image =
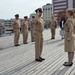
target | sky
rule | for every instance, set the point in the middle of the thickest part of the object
(8, 8)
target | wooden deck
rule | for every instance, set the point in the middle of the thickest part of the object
(21, 60)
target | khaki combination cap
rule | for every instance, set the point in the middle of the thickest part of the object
(39, 9)
(17, 15)
(26, 17)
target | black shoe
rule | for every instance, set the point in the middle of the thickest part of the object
(65, 64)
(38, 60)
(52, 38)
(17, 45)
(62, 38)
(42, 58)
(32, 41)
(25, 43)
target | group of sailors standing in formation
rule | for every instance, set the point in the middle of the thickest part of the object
(37, 27)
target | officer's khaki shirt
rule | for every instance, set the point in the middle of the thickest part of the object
(53, 22)
(25, 25)
(16, 24)
(40, 24)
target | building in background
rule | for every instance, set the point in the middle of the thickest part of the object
(8, 26)
(59, 7)
(2, 28)
(47, 12)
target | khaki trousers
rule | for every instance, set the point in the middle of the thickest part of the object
(53, 33)
(17, 36)
(25, 36)
(38, 44)
(32, 35)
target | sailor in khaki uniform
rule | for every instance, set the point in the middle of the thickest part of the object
(39, 27)
(16, 28)
(69, 37)
(32, 29)
(25, 30)
(53, 24)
